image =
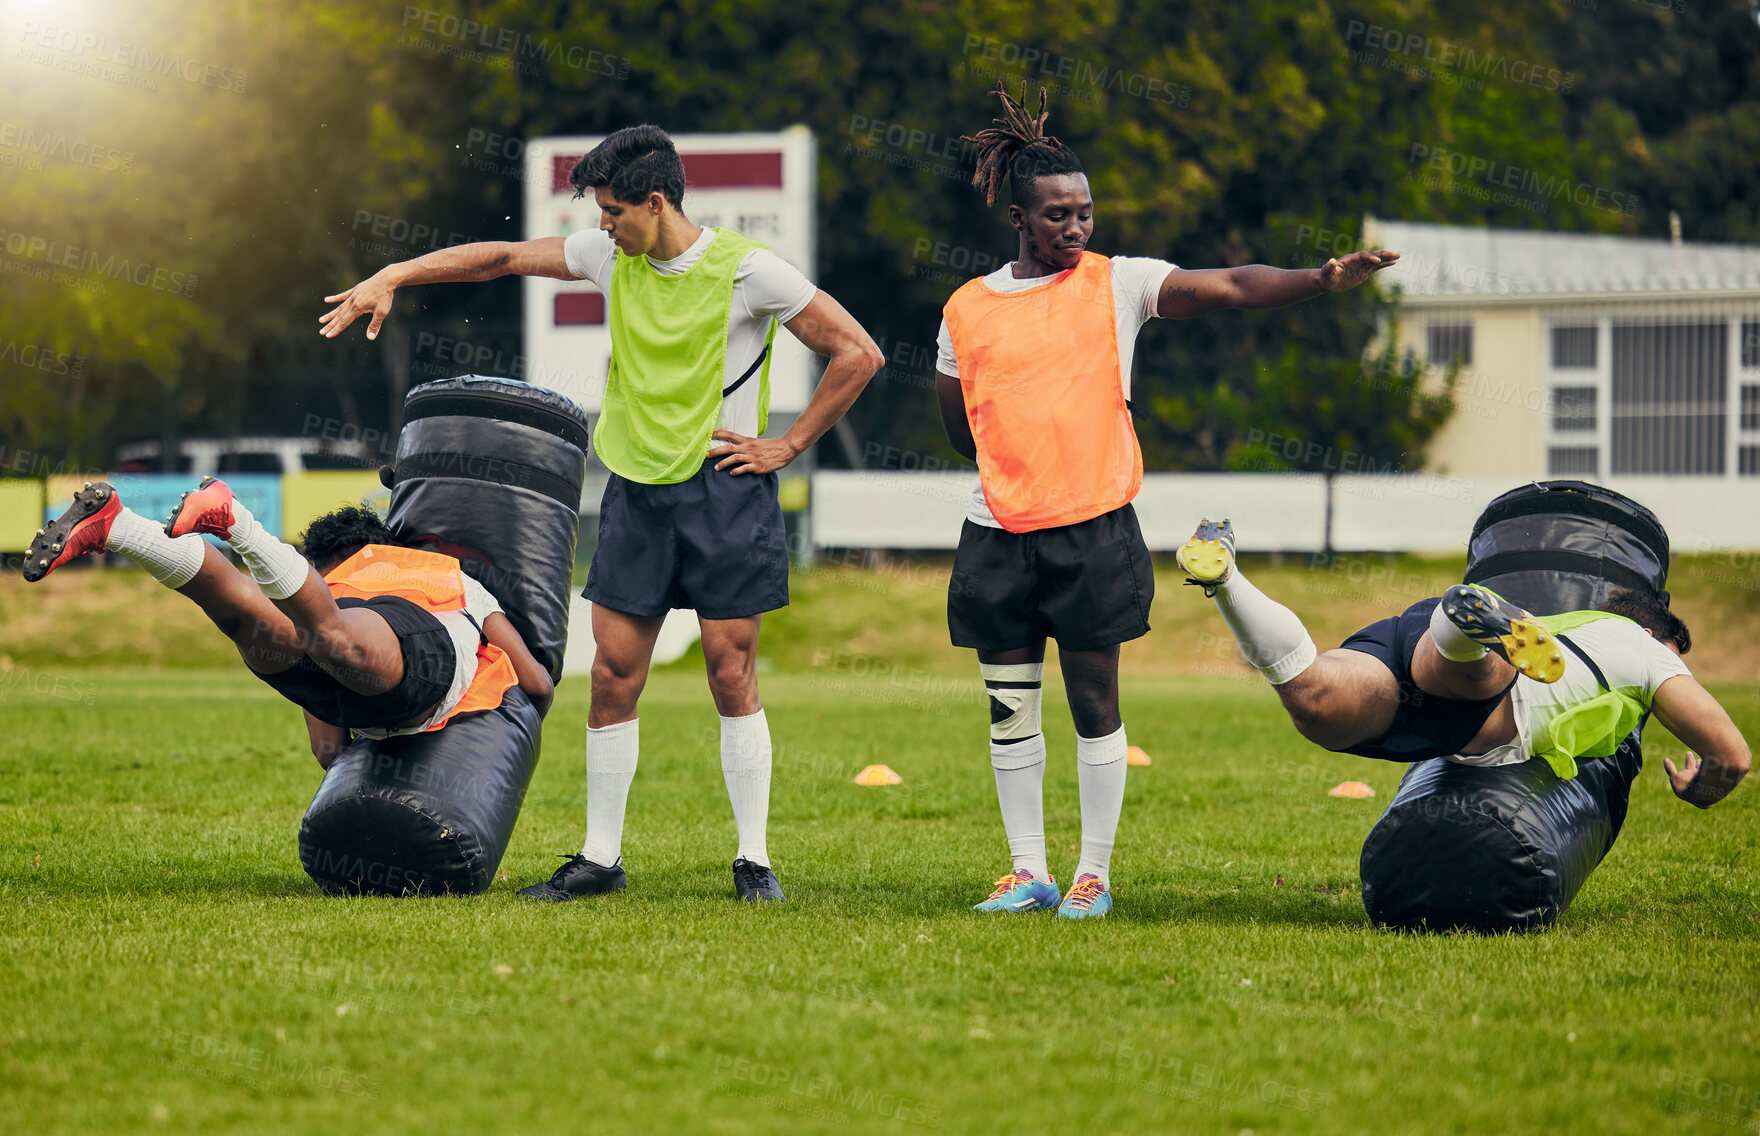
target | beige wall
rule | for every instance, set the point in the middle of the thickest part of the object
(1500, 419)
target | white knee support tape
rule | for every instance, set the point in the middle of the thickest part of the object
(1015, 690)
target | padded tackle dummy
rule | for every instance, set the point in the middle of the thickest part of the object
(1507, 848)
(490, 471)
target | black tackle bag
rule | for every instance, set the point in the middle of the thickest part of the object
(489, 471)
(1507, 848)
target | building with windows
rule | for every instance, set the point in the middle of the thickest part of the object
(1584, 355)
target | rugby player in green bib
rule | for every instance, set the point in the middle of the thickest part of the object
(1441, 678)
(690, 517)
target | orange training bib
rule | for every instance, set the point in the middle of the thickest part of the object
(434, 583)
(1045, 398)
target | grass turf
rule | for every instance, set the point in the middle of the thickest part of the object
(169, 967)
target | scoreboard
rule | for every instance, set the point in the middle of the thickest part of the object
(760, 184)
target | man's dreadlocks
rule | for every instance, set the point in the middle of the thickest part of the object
(1016, 146)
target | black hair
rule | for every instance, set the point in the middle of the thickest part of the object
(1016, 146)
(634, 162)
(339, 535)
(1649, 612)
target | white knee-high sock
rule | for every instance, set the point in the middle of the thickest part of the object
(611, 766)
(745, 766)
(1100, 773)
(172, 562)
(1271, 636)
(1451, 642)
(276, 566)
(1020, 780)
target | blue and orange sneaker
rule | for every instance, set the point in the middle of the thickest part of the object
(1089, 899)
(1020, 891)
(207, 509)
(80, 531)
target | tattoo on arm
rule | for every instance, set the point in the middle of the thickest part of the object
(1183, 293)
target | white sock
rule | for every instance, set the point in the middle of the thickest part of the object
(1020, 777)
(1100, 771)
(745, 765)
(611, 766)
(1451, 642)
(1271, 636)
(172, 562)
(276, 566)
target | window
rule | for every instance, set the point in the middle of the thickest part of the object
(1751, 343)
(1669, 411)
(1751, 407)
(1748, 461)
(1450, 341)
(1573, 408)
(1574, 347)
(1572, 461)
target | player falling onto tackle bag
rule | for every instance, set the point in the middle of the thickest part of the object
(685, 523)
(368, 637)
(1441, 679)
(1034, 385)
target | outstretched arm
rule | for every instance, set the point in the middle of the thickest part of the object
(484, 260)
(827, 330)
(1185, 294)
(533, 678)
(1693, 716)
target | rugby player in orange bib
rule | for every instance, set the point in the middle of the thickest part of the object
(1034, 385)
(368, 637)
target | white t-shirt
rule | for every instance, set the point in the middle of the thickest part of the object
(1627, 654)
(765, 287)
(1136, 293)
(479, 604)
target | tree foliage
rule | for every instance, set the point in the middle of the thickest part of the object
(1214, 135)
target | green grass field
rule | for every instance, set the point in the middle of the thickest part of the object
(169, 967)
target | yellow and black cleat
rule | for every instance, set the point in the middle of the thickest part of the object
(1208, 557)
(1498, 625)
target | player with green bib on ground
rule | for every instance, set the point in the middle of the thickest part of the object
(1442, 679)
(685, 522)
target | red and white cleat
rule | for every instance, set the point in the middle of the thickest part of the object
(207, 509)
(80, 531)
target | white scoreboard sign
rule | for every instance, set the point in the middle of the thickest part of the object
(761, 185)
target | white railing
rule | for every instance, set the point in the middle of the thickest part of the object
(1424, 513)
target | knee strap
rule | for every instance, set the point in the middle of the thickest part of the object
(1015, 690)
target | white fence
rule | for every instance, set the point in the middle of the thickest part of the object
(1272, 512)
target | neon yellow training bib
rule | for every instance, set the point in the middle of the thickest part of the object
(1594, 727)
(669, 363)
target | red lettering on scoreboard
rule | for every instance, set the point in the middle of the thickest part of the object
(758, 169)
(576, 308)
